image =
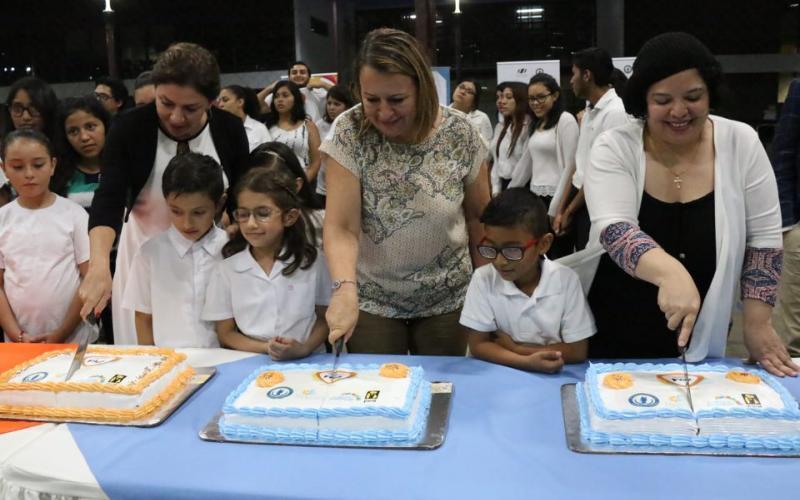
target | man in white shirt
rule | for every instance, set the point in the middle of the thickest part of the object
(314, 90)
(591, 80)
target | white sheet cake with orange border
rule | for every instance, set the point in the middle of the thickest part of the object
(111, 385)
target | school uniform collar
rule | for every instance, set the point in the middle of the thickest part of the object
(245, 263)
(604, 101)
(549, 283)
(183, 245)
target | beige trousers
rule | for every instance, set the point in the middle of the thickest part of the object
(786, 317)
(435, 335)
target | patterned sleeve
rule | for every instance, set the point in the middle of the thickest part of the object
(760, 274)
(343, 141)
(625, 244)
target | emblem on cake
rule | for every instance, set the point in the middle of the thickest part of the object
(680, 379)
(619, 380)
(99, 360)
(332, 376)
(270, 378)
(393, 370)
(743, 377)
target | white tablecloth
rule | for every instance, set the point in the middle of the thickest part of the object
(45, 462)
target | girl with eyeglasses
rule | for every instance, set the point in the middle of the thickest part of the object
(508, 144)
(270, 293)
(550, 150)
(467, 98)
(32, 105)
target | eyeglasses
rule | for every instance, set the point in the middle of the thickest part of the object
(102, 97)
(510, 253)
(466, 89)
(539, 99)
(18, 110)
(261, 214)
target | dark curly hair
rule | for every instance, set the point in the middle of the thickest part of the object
(665, 55)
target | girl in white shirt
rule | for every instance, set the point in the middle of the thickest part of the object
(288, 124)
(338, 101)
(270, 294)
(508, 145)
(467, 98)
(243, 103)
(44, 247)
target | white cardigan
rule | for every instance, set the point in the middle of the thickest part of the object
(566, 131)
(746, 213)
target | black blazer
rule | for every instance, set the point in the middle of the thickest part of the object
(130, 152)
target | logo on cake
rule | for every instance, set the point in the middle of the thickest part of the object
(332, 376)
(99, 360)
(35, 377)
(643, 400)
(680, 379)
(280, 392)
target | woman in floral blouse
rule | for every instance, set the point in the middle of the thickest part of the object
(407, 182)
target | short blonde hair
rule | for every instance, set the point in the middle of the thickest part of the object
(393, 51)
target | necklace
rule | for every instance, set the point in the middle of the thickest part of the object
(677, 177)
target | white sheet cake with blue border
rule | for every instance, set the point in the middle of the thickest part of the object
(307, 403)
(646, 405)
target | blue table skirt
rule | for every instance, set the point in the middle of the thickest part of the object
(505, 440)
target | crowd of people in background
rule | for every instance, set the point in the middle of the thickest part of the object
(281, 219)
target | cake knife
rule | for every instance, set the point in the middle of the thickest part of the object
(337, 349)
(91, 320)
(689, 389)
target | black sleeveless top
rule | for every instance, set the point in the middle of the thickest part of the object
(629, 321)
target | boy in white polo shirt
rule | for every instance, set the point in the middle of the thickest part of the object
(170, 274)
(524, 311)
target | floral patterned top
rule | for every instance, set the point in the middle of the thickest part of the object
(414, 258)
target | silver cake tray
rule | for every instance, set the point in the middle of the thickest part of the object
(572, 428)
(433, 437)
(200, 377)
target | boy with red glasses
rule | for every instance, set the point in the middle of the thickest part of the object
(523, 310)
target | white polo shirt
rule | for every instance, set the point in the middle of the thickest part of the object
(266, 306)
(257, 133)
(168, 280)
(607, 113)
(556, 312)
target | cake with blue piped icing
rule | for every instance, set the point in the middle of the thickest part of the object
(311, 404)
(646, 405)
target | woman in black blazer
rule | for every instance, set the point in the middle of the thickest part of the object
(129, 202)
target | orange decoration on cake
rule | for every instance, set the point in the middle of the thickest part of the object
(393, 370)
(270, 378)
(743, 377)
(619, 380)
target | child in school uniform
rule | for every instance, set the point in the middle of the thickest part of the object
(170, 273)
(44, 248)
(270, 293)
(523, 310)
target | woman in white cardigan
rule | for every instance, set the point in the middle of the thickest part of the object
(508, 143)
(550, 151)
(685, 206)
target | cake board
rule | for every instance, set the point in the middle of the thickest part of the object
(200, 377)
(572, 429)
(433, 437)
